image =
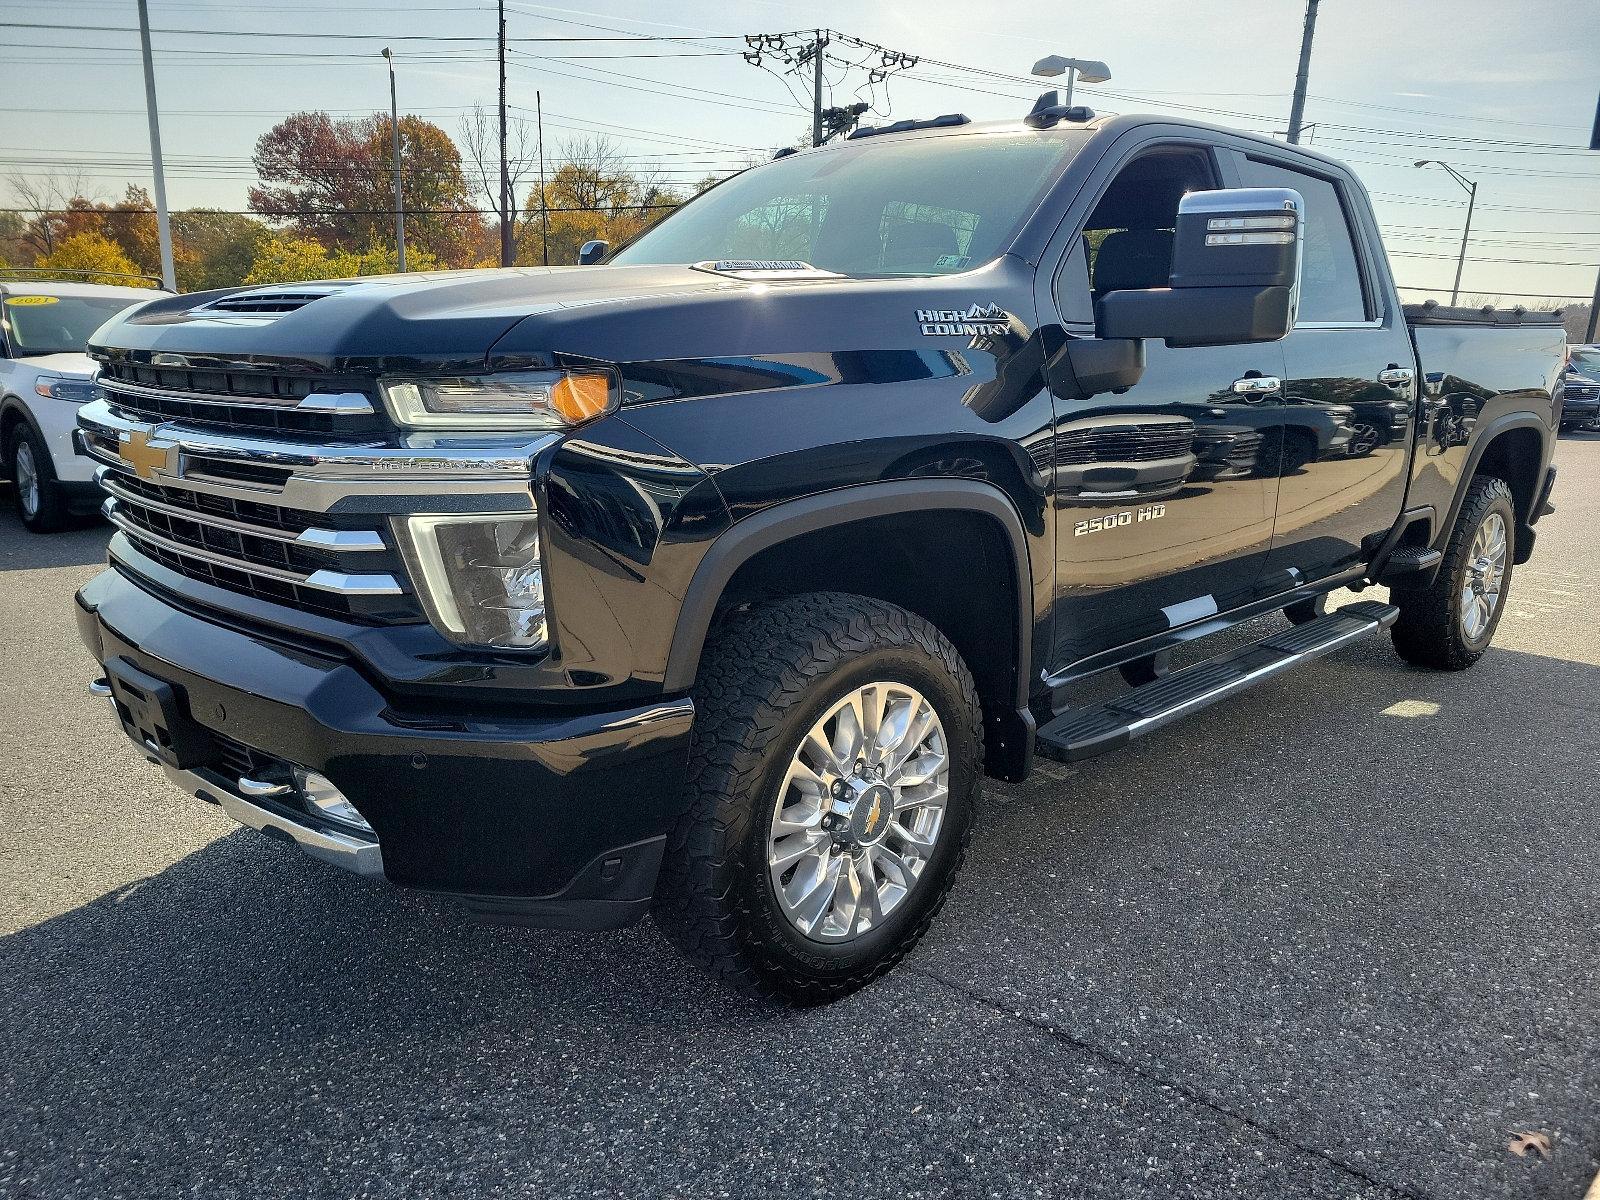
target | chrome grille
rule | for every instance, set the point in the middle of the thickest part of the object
(310, 561)
(255, 400)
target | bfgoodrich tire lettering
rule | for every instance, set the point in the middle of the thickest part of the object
(768, 676)
(1434, 628)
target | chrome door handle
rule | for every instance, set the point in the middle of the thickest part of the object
(1396, 376)
(1256, 385)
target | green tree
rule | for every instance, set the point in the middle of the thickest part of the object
(214, 249)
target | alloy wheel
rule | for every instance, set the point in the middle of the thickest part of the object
(1485, 580)
(859, 812)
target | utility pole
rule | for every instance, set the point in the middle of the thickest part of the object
(544, 209)
(169, 276)
(816, 88)
(1298, 109)
(1594, 313)
(399, 199)
(506, 249)
(1466, 230)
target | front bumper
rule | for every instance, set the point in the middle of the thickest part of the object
(549, 817)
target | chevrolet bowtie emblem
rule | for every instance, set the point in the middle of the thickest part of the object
(144, 454)
(873, 814)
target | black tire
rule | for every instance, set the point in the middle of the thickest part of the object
(49, 513)
(768, 675)
(1429, 632)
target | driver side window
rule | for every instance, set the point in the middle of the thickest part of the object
(1127, 240)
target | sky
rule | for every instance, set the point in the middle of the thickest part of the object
(1505, 92)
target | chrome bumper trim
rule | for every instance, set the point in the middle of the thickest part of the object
(353, 854)
(482, 472)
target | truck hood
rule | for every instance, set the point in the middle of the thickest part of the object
(70, 364)
(388, 322)
(464, 320)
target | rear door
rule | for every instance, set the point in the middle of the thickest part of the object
(1343, 424)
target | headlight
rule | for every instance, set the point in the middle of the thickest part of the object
(480, 578)
(75, 391)
(513, 400)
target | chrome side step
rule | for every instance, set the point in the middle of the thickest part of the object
(1085, 732)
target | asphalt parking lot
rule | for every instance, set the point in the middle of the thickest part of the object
(1335, 938)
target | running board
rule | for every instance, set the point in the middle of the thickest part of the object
(1085, 732)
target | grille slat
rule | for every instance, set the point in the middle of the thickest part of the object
(250, 547)
(335, 406)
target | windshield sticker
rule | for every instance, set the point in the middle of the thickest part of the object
(30, 301)
(978, 321)
(951, 262)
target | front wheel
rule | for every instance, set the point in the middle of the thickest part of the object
(39, 499)
(833, 780)
(1448, 624)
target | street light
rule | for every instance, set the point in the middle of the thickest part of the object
(399, 202)
(1090, 70)
(1466, 230)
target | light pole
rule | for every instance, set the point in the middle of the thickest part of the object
(1089, 69)
(1466, 230)
(399, 200)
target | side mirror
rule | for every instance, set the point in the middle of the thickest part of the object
(592, 252)
(1235, 274)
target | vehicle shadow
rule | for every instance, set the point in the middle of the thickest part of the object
(82, 543)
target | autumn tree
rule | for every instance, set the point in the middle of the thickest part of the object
(93, 259)
(332, 180)
(288, 259)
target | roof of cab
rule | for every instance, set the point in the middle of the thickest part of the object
(1113, 123)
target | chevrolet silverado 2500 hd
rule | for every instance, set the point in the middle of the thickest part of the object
(712, 578)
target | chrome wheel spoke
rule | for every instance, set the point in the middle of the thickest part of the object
(817, 893)
(845, 847)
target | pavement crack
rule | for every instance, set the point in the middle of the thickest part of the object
(1186, 1091)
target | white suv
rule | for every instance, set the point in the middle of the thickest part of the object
(44, 377)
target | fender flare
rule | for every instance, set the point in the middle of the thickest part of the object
(825, 510)
(1504, 423)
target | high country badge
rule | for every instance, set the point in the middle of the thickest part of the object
(978, 321)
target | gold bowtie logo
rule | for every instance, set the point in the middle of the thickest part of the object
(144, 454)
(873, 814)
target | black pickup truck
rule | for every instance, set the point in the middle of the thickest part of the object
(710, 579)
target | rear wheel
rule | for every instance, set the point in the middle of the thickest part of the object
(38, 497)
(833, 781)
(1448, 624)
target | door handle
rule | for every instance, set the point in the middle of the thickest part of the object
(1394, 376)
(1257, 385)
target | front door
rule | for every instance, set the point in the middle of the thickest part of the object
(1164, 494)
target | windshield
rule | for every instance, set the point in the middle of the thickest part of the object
(919, 206)
(56, 324)
(1586, 362)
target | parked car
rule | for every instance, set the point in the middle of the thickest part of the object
(1580, 389)
(45, 376)
(711, 579)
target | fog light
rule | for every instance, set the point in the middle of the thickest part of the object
(322, 799)
(480, 578)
